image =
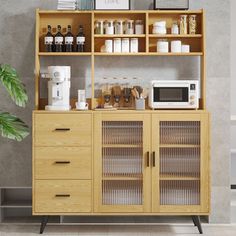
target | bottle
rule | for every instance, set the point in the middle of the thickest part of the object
(48, 40)
(69, 40)
(59, 38)
(80, 40)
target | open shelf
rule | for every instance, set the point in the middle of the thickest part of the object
(17, 204)
(175, 35)
(65, 54)
(120, 36)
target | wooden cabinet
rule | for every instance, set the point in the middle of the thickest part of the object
(62, 163)
(156, 163)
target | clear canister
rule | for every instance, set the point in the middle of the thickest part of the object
(125, 45)
(183, 24)
(134, 45)
(109, 27)
(192, 24)
(139, 27)
(117, 45)
(175, 28)
(162, 46)
(119, 27)
(129, 27)
(98, 27)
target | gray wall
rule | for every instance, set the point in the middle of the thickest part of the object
(17, 48)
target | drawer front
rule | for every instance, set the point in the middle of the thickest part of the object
(63, 162)
(62, 129)
(62, 196)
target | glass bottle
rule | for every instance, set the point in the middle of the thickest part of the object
(192, 24)
(59, 38)
(69, 40)
(48, 40)
(80, 40)
(183, 24)
(106, 91)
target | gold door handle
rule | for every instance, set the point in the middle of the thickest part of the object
(148, 161)
(62, 195)
(62, 129)
(62, 162)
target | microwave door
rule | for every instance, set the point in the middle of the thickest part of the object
(171, 95)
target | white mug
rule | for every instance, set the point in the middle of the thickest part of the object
(82, 105)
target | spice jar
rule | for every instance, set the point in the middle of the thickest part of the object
(175, 28)
(192, 24)
(109, 27)
(99, 27)
(119, 27)
(139, 27)
(134, 45)
(162, 46)
(183, 24)
(129, 27)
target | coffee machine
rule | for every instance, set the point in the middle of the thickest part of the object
(59, 88)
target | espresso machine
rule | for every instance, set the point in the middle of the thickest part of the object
(59, 88)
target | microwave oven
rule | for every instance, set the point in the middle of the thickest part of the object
(174, 94)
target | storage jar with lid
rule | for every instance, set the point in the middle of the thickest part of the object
(159, 27)
(129, 27)
(117, 45)
(119, 27)
(162, 46)
(176, 46)
(125, 45)
(134, 45)
(109, 28)
(99, 27)
(139, 27)
(108, 46)
(175, 28)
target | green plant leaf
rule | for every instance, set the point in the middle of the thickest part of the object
(12, 127)
(13, 85)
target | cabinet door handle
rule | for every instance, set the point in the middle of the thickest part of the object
(148, 164)
(153, 159)
(62, 195)
(62, 129)
(62, 162)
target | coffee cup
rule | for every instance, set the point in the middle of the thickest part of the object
(81, 105)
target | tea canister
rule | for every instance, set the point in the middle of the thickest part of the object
(163, 46)
(159, 27)
(129, 27)
(109, 28)
(134, 45)
(176, 46)
(108, 46)
(119, 27)
(125, 45)
(117, 45)
(175, 28)
(139, 27)
(185, 48)
(99, 29)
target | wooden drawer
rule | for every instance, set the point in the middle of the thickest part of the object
(62, 196)
(62, 129)
(62, 162)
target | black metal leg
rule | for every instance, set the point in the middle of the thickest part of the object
(43, 223)
(197, 222)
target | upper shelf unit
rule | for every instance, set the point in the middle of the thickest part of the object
(147, 41)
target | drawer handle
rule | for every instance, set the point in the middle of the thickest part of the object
(153, 159)
(62, 129)
(62, 195)
(62, 162)
(148, 159)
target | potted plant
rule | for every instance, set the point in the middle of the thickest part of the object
(11, 126)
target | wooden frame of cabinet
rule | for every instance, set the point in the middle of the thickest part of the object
(50, 146)
(94, 42)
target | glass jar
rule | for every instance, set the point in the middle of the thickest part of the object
(183, 24)
(117, 45)
(162, 46)
(129, 27)
(109, 27)
(192, 24)
(139, 27)
(119, 27)
(98, 27)
(125, 45)
(175, 28)
(134, 45)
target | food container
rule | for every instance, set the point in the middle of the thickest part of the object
(129, 27)
(139, 27)
(119, 27)
(162, 46)
(125, 45)
(159, 27)
(109, 28)
(108, 46)
(140, 104)
(175, 28)
(117, 45)
(134, 45)
(192, 24)
(183, 24)
(176, 46)
(185, 48)
(99, 29)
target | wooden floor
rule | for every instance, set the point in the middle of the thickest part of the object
(162, 230)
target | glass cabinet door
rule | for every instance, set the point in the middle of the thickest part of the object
(120, 163)
(180, 176)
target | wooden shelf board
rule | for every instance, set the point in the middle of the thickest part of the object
(175, 35)
(179, 177)
(120, 36)
(122, 145)
(175, 12)
(174, 54)
(120, 54)
(122, 177)
(16, 204)
(64, 54)
(63, 12)
(179, 146)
